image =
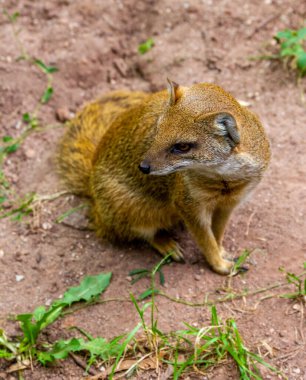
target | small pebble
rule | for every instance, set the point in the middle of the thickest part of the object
(129, 278)
(197, 277)
(30, 153)
(48, 302)
(1, 253)
(296, 370)
(47, 226)
(63, 114)
(19, 277)
(296, 307)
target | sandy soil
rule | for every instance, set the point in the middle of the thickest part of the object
(94, 45)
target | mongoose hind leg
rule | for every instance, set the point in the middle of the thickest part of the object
(166, 245)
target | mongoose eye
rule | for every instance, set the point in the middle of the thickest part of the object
(181, 148)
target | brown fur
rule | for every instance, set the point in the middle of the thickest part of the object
(107, 141)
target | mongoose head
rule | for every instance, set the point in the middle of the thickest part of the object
(204, 128)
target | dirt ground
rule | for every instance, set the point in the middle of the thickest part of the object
(94, 45)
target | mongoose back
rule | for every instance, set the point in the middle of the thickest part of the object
(150, 161)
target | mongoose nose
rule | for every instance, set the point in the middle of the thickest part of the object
(144, 167)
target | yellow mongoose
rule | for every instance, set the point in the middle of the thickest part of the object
(149, 161)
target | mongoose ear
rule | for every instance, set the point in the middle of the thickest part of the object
(174, 92)
(227, 127)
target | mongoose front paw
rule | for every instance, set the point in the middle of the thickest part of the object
(166, 245)
(223, 266)
(233, 270)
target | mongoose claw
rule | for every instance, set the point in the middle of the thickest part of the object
(177, 255)
(167, 247)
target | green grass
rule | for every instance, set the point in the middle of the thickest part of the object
(291, 50)
(299, 284)
(30, 119)
(146, 46)
(193, 349)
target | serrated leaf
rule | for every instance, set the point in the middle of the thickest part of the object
(60, 350)
(89, 288)
(95, 347)
(47, 95)
(101, 347)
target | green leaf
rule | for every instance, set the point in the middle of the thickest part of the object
(147, 293)
(284, 34)
(29, 329)
(214, 316)
(7, 138)
(8, 345)
(12, 148)
(60, 218)
(138, 271)
(46, 69)
(161, 277)
(49, 317)
(26, 117)
(101, 347)
(292, 50)
(146, 46)
(89, 288)
(47, 95)
(43, 319)
(301, 62)
(13, 17)
(96, 347)
(39, 313)
(60, 350)
(123, 348)
(3, 199)
(4, 354)
(301, 33)
(241, 260)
